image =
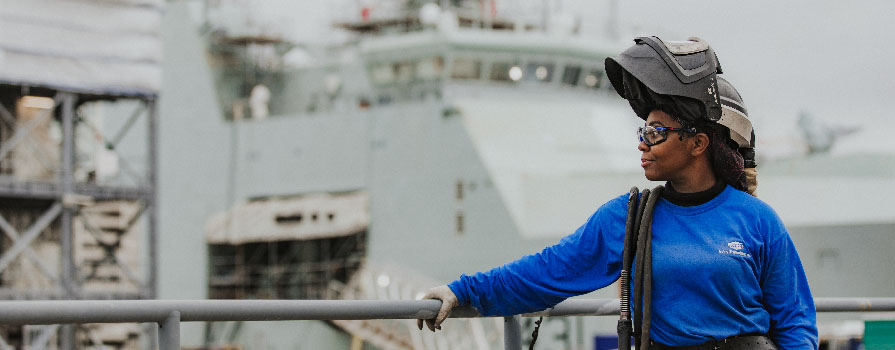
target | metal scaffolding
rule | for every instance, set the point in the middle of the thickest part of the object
(66, 233)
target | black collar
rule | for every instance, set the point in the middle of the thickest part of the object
(692, 199)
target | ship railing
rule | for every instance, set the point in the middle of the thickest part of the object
(168, 314)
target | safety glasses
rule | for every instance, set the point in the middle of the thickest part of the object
(654, 135)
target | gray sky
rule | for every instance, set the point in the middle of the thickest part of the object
(833, 59)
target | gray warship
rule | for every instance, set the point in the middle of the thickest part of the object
(471, 139)
(435, 139)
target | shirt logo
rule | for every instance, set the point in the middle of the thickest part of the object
(735, 249)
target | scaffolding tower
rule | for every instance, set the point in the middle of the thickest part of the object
(67, 235)
(79, 84)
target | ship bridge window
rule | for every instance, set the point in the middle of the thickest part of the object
(542, 72)
(466, 68)
(503, 71)
(430, 68)
(570, 75)
(403, 72)
(382, 73)
(593, 79)
(392, 72)
(289, 219)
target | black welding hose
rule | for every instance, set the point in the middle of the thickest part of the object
(636, 298)
(625, 327)
(643, 286)
(628, 253)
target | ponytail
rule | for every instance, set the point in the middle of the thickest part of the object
(751, 180)
(749, 170)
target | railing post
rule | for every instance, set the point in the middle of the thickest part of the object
(512, 332)
(67, 336)
(169, 332)
(68, 274)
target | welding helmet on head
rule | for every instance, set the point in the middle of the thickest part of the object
(680, 78)
(734, 115)
(652, 71)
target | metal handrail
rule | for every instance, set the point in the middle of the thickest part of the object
(169, 313)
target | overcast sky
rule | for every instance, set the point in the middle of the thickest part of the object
(832, 59)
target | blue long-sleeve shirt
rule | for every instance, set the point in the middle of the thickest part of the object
(722, 268)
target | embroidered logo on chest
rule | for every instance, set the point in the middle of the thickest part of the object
(735, 249)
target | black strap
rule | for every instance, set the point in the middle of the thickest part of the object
(534, 333)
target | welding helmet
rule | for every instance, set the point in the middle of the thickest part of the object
(653, 70)
(734, 115)
(680, 78)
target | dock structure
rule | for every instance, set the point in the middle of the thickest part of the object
(79, 83)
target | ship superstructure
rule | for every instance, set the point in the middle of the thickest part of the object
(431, 139)
(437, 122)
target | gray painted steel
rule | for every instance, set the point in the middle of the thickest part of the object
(13, 235)
(169, 314)
(68, 273)
(30, 235)
(119, 311)
(150, 289)
(169, 332)
(49, 190)
(512, 333)
(58, 196)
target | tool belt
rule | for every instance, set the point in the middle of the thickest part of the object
(743, 342)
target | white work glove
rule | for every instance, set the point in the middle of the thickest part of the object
(448, 302)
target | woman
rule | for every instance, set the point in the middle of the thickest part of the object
(724, 268)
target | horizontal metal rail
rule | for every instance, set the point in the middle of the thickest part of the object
(47, 190)
(169, 313)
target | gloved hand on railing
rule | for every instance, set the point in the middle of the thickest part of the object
(448, 302)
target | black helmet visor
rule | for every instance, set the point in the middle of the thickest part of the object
(653, 73)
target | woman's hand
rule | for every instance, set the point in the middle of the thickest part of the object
(448, 302)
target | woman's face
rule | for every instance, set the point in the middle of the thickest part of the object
(670, 159)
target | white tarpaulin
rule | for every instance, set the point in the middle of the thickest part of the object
(286, 219)
(106, 47)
